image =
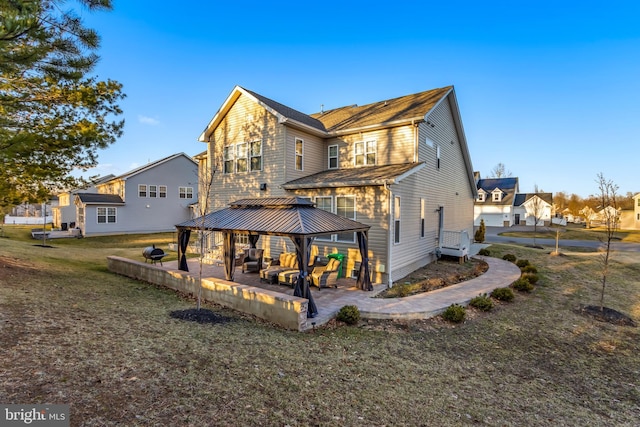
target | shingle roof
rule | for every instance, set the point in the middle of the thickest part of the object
(100, 199)
(408, 107)
(521, 198)
(354, 177)
(508, 186)
(292, 216)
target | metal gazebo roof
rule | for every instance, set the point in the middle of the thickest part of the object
(277, 216)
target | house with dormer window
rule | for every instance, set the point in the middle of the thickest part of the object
(495, 202)
(400, 165)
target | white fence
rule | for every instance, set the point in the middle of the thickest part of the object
(28, 220)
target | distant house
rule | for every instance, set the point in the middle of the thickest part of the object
(64, 214)
(152, 198)
(495, 202)
(400, 165)
(529, 206)
(630, 218)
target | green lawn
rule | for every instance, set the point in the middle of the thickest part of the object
(577, 233)
(73, 333)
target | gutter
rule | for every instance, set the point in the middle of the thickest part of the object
(389, 234)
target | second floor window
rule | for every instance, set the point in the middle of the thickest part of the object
(153, 191)
(481, 197)
(366, 152)
(241, 157)
(299, 154)
(229, 159)
(333, 157)
(186, 192)
(256, 155)
(142, 190)
(163, 191)
(396, 220)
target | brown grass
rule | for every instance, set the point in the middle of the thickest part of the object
(73, 333)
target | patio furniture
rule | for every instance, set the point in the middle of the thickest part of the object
(252, 260)
(286, 261)
(327, 276)
(288, 277)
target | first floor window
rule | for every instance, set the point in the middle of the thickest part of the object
(326, 204)
(333, 157)
(186, 192)
(81, 215)
(299, 154)
(142, 190)
(346, 207)
(396, 219)
(106, 215)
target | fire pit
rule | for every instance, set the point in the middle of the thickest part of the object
(154, 254)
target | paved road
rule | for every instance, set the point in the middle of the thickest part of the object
(491, 236)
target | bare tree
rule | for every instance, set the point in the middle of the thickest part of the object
(610, 216)
(536, 210)
(206, 173)
(500, 171)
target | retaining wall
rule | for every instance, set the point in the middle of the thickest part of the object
(287, 311)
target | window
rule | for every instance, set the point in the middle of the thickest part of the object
(186, 192)
(638, 217)
(256, 155)
(142, 190)
(333, 157)
(163, 191)
(639, 201)
(423, 205)
(80, 215)
(346, 207)
(299, 154)
(326, 204)
(396, 220)
(106, 215)
(241, 157)
(437, 157)
(228, 155)
(497, 196)
(365, 153)
(481, 197)
(153, 191)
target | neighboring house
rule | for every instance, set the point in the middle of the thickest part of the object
(630, 218)
(64, 214)
(529, 206)
(401, 166)
(152, 198)
(494, 203)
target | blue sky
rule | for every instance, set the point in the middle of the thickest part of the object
(551, 91)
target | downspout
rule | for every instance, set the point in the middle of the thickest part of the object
(390, 234)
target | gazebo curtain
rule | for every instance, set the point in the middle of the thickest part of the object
(364, 277)
(183, 242)
(253, 240)
(303, 254)
(229, 244)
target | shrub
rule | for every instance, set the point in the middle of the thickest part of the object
(349, 314)
(530, 277)
(509, 257)
(529, 269)
(482, 302)
(484, 252)
(454, 313)
(522, 285)
(502, 294)
(522, 263)
(479, 234)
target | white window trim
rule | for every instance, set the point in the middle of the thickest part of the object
(252, 156)
(481, 196)
(106, 215)
(365, 153)
(296, 154)
(156, 190)
(397, 220)
(231, 148)
(438, 157)
(332, 209)
(242, 156)
(423, 218)
(337, 156)
(146, 191)
(355, 216)
(496, 196)
(187, 190)
(160, 187)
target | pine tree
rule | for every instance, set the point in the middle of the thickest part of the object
(54, 115)
(479, 234)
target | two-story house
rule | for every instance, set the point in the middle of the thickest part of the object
(64, 214)
(494, 203)
(149, 199)
(401, 166)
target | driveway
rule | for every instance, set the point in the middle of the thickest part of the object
(492, 236)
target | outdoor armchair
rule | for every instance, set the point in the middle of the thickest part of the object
(252, 260)
(326, 276)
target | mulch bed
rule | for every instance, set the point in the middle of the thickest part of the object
(606, 314)
(199, 316)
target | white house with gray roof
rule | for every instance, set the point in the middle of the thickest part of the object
(149, 199)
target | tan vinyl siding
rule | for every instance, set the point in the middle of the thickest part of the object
(247, 121)
(312, 155)
(447, 186)
(401, 151)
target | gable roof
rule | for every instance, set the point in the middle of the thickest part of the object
(522, 198)
(508, 186)
(148, 166)
(100, 199)
(355, 177)
(387, 112)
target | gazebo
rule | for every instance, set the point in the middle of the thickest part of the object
(293, 217)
